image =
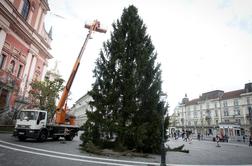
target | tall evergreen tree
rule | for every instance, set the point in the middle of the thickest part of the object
(126, 94)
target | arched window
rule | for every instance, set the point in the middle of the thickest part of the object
(25, 9)
(19, 71)
(12, 66)
(2, 60)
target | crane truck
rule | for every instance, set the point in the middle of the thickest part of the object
(34, 123)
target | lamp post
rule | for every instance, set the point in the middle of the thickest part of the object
(163, 151)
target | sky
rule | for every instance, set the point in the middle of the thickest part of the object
(202, 45)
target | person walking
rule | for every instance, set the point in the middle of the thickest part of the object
(183, 134)
(190, 138)
(201, 136)
(250, 140)
(218, 140)
(198, 136)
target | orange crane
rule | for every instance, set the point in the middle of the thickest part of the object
(60, 111)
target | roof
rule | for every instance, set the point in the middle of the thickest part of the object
(215, 95)
(212, 95)
(232, 94)
(193, 101)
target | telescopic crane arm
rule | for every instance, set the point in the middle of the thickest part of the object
(60, 112)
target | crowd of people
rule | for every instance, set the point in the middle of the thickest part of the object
(186, 135)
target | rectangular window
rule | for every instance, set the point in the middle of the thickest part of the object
(226, 121)
(225, 103)
(189, 114)
(216, 112)
(215, 105)
(216, 122)
(238, 121)
(195, 123)
(226, 112)
(236, 102)
(41, 116)
(19, 71)
(237, 111)
(250, 111)
(248, 100)
(207, 105)
(2, 60)
(25, 9)
(195, 114)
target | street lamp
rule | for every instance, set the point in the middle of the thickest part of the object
(163, 97)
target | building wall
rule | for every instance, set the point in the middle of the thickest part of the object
(24, 42)
(208, 114)
(79, 109)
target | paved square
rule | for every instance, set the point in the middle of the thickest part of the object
(206, 152)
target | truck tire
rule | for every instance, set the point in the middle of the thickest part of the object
(69, 137)
(56, 137)
(21, 138)
(42, 136)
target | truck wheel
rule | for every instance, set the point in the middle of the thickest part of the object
(42, 136)
(69, 137)
(56, 137)
(21, 138)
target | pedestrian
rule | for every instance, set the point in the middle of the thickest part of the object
(186, 136)
(190, 139)
(218, 140)
(226, 138)
(243, 138)
(198, 136)
(175, 136)
(250, 140)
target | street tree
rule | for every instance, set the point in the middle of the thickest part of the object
(126, 110)
(43, 94)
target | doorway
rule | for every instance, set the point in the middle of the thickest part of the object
(3, 99)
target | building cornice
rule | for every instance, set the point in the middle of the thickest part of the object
(21, 27)
(45, 4)
(246, 94)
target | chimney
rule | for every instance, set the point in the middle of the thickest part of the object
(248, 87)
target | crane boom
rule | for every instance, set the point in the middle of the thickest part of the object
(60, 112)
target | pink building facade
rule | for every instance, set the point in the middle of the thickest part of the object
(24, 45)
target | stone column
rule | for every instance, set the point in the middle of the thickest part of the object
(31, 72)
(29, 69)
(45, 65)
(4, 24)
(2, 38)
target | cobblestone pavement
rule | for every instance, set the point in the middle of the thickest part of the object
(201, 153)
(207, 153)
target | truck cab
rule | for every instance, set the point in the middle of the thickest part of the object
(31, 124)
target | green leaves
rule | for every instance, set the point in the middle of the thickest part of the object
(44, 94)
